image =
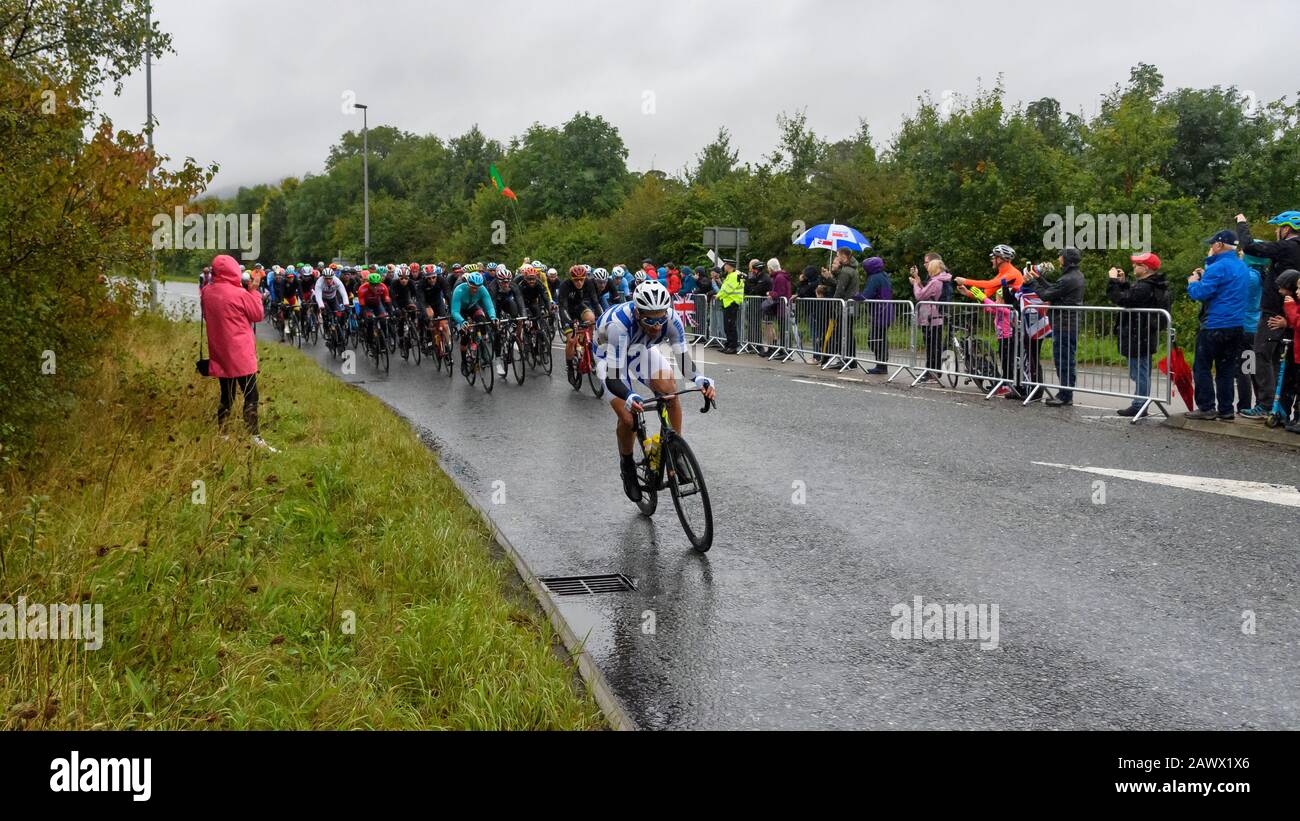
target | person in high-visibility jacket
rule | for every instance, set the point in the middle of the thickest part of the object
(731, 295)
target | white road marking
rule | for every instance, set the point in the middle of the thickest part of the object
(965, 393)
(815, 382)
(1256, 491)
(890, 393)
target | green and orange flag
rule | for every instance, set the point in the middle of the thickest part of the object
(500, 184)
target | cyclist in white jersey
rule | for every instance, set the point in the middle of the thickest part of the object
(627, 340)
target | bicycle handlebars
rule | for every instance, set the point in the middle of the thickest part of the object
(663, 397)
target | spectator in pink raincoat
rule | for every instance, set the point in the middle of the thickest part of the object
(230, 308)
(930, 317)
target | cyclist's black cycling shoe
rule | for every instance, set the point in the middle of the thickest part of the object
(631, 486)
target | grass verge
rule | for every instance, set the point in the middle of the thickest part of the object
(342, 583)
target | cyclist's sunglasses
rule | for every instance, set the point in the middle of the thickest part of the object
(654, 321)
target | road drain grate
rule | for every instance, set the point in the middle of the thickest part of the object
(586, 585)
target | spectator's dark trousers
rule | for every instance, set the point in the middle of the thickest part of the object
(247, 385)
(1268, 354)
(729, 316)
(1065, 347)
(1216, 348)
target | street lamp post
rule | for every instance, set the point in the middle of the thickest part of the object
(148, 86)
(365, 175)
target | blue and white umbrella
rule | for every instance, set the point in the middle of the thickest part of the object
(833, 237)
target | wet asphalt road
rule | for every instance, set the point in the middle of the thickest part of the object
(1126, 614)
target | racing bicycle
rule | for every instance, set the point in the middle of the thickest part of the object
(666, 461)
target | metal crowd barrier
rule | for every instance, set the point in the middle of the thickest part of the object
(1015, 346)
(881, 333)
(761, 326)
(815, 331)
(1103, 350)
(971, 344)
(697, 319)
(715, 329)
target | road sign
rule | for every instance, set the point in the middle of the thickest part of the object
(719, 238)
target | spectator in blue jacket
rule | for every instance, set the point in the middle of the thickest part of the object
(688, 280)
(1221, 288)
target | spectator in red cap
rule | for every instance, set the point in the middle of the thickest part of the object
(1139, 332)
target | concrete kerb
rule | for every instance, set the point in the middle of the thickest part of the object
(1254, 431)
(610, 704)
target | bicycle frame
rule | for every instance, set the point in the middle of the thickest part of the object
(585, 340)
(666, 430)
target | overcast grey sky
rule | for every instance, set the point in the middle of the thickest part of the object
(257, 85)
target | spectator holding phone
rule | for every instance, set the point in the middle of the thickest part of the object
(1138, 333)
(1221, 288)
(1283, 255)
(230, 306)
(1065, 292)
(930, 317)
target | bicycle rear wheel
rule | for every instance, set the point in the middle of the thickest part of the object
(690, 495)
(545, 356)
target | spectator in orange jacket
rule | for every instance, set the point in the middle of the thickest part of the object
(1004, 272)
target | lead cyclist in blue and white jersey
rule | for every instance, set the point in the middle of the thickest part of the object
(627, 339)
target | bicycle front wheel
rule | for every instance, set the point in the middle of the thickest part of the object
(949, 364)
(597, 386)
(690, 495)
(487, 373)
(518, 365)
(649, 479)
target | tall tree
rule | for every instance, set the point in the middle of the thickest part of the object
(716, 161)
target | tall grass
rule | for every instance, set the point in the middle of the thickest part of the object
(231, 610)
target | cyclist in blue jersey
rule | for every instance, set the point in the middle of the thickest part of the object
(627, 339)
(618, 280)
(601, 279)
(470, 302)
